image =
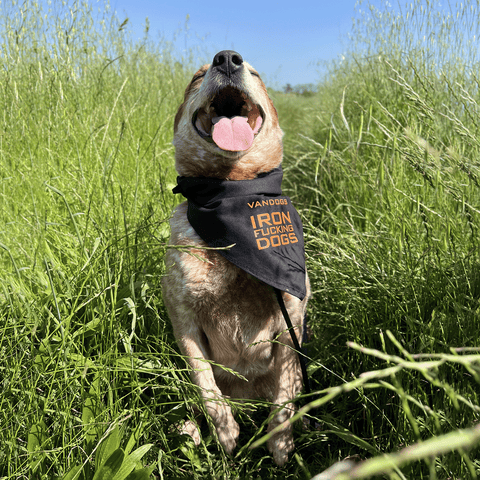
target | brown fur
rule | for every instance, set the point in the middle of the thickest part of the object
(218, 312)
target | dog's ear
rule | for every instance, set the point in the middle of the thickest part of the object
(196, 81)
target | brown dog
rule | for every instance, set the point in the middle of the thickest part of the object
(221, 315)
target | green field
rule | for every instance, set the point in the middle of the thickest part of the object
(383, 165)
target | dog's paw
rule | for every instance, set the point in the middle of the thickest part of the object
(191, 429)
(228, 435)
(281, 444)
(225, 425)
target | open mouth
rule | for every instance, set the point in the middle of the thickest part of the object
(231, 120)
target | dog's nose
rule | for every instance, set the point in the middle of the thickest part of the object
(227, 62)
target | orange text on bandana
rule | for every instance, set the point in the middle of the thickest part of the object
(273, 229)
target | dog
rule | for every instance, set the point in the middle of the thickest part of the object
(224, 319)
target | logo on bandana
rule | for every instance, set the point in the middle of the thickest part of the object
(273, 229)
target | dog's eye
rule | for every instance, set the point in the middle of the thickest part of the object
(255, 74)
(198, 77)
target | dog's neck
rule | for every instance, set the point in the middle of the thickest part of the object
(243, 167)
(226, 171)
(206, 189)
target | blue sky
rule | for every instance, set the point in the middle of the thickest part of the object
(284, 40)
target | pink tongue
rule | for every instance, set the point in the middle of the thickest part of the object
(233, 134)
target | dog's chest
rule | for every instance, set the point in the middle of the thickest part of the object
(237, 312)
(239, 324)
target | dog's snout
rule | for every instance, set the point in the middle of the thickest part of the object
(227, 62)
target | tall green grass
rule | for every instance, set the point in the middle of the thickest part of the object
(383, 165)
(86, 169)
(387, 168)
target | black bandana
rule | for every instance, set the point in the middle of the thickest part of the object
(255, 216)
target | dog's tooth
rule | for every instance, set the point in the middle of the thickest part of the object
(200, 124)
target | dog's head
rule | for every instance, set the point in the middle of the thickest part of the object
(227, 126)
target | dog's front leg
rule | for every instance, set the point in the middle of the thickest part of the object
(191, 344)
(289, 383)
